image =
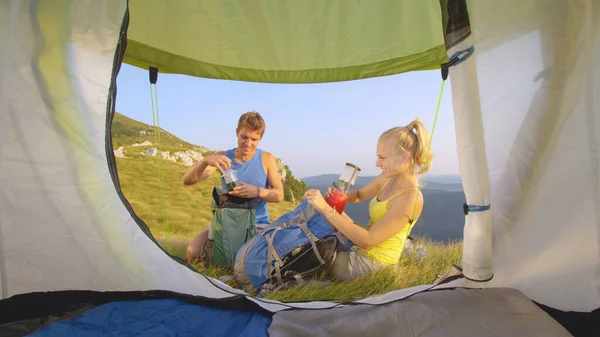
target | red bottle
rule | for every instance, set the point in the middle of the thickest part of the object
(337, 199)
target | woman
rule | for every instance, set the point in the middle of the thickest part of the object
(396, 203)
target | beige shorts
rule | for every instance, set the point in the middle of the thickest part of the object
(351, 265)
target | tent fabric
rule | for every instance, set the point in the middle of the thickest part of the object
(457, 312)
(63, 224)
(286, 41)
(161, 317)
(534, 77)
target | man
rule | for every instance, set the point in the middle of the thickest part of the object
(256, 170)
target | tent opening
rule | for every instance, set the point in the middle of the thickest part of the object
(142, 152)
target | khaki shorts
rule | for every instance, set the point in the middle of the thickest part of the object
(351, 265)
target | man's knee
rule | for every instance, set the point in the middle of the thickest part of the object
(194, 249)
(193, 253)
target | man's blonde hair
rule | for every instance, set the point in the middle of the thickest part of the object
(252, 120)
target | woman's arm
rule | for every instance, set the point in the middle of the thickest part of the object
(391, 223)
(368, 191)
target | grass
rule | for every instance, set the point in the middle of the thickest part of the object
(187, 207)
(187, 210)
(410, 271)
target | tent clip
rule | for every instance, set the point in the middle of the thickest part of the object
(153, 75)
(456, 59)
(474, 208)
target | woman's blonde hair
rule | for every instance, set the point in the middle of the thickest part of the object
(414, 139)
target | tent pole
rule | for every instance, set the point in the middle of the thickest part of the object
(470, 141)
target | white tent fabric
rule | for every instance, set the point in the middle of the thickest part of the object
(63, 225)
(537, 65)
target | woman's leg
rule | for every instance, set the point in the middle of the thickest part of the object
(351, 265)
(194, 249)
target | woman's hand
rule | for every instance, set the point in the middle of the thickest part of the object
(315, 198)
(245, 191)
(328, 192)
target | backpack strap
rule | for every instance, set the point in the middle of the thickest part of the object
(272, 254)
(312, 238)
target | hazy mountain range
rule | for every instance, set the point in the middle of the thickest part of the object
(442, 218)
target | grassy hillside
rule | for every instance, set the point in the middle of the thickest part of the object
(127, 131)
(183, 211)
(187, 207)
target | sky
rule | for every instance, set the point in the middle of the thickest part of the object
(314, 128)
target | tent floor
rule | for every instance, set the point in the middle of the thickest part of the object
(447, 312)
(444, 312)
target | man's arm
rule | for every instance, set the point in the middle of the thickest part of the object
(275, 193)
(200, 171)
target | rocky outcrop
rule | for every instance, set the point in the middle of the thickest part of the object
(283, 173)
(281, 168)
(187, 158)
(119, 153)
(145, 143)
(152, 152)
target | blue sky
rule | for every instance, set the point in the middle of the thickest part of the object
(314, 128)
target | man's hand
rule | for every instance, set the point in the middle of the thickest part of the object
(218, 161)
(245, 191)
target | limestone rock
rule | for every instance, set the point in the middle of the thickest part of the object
(152, 152)
(119, 153)
(145, 143)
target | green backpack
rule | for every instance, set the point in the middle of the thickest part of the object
(232, 225)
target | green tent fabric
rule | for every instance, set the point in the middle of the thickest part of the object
(274, 41)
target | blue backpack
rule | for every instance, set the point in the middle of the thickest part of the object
(297, 245)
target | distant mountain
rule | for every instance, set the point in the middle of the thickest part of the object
(444, 178)
(448, 183)
(442, 218)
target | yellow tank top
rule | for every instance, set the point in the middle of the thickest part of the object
(389, 251)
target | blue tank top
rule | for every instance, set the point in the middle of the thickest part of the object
(252, 172)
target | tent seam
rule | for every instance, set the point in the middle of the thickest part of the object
(375, 67)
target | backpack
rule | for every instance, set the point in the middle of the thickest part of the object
(296, 246)
(233, 224)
